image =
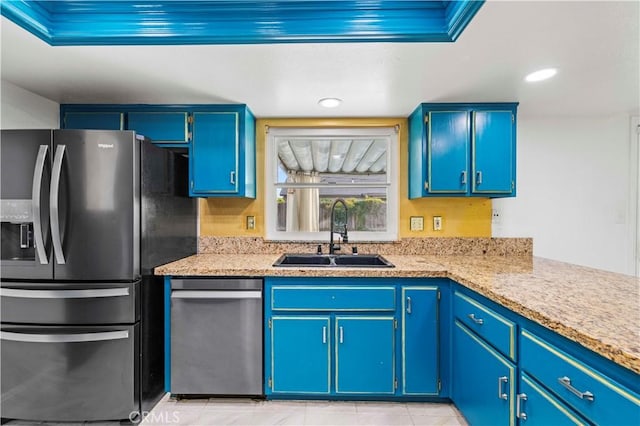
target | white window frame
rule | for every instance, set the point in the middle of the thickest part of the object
(392, 184)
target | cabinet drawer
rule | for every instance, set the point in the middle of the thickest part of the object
(338, 298)
(592, 394)
(536, 406)
(494, 328)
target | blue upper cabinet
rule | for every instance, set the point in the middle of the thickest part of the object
(93, 120)
(462, 150)
(493, 152)
(222, 153)
(447, 152)
(162, 127)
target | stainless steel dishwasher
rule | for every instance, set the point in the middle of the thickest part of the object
(216, 336)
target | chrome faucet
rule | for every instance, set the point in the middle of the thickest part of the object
(336, 247)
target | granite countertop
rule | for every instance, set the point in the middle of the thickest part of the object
(599, 310)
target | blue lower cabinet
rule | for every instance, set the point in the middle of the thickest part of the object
(483, 380)
(365, 362)
(300, 355)
(590, 392)
(536, 406)
(420, 321)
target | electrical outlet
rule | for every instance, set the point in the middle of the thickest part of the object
(437, 223)
(251, 222)
(416, 223)
(496, 216)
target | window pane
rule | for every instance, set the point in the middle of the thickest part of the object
(352, 160)
(309, 209)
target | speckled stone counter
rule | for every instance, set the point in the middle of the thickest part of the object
(598, 309)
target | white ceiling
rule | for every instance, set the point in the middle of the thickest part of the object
(595, 46)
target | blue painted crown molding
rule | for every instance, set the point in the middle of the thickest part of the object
(147, 22)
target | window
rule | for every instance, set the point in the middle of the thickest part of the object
(308, 169)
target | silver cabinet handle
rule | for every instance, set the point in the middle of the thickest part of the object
(54, 199)
(473, 318)
(63, 294)
(324, 334)
(478, 178)
(463, 177)
(64, 338)
(409, 305)
(212, 294)
(566, 382)
(232, 178)
(36, 187)
(520, 398)
(341, 334)
(501, 380)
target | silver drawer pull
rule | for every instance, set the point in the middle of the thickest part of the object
(409, 305)
(63, 294)
(324, 334)
(341, 335)
(473, 318)
(501, 380)
(64, 338)
(566, 382)
(215, 294)
(520, 398)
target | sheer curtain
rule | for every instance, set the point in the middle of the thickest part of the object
(303, 204)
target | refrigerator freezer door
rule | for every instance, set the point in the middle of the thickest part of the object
(69, 373)
(24, 204)
(95, 205)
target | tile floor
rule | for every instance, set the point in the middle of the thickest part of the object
(248, 412)
(251, 412)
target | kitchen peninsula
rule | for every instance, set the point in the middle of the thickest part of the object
(589, 317)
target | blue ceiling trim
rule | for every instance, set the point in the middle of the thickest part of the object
(149, 22)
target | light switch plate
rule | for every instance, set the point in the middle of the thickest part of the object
(437, 223)
(416, 223)
(251, 222)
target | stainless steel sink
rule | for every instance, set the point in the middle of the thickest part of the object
(333, 260)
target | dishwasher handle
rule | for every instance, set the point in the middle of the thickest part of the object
(213, 294)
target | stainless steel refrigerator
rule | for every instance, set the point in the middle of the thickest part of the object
(86, 215)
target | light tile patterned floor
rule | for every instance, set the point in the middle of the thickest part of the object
(248, 412)
(217, 411)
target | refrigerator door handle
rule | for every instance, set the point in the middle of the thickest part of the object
(38, 171)
(64, 338)
(63, 294)
(54, 199)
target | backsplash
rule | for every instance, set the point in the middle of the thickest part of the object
(407, 246)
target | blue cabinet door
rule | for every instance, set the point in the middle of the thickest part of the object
(161, 127)
(93, 120)
(536, 406)
(365, 350)
(420, 341)
(300, 355)
(493, 156)
(214, 154)
(447, 152)
(483, 381)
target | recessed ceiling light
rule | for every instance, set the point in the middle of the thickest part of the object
(541, 75)
(330, 102)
